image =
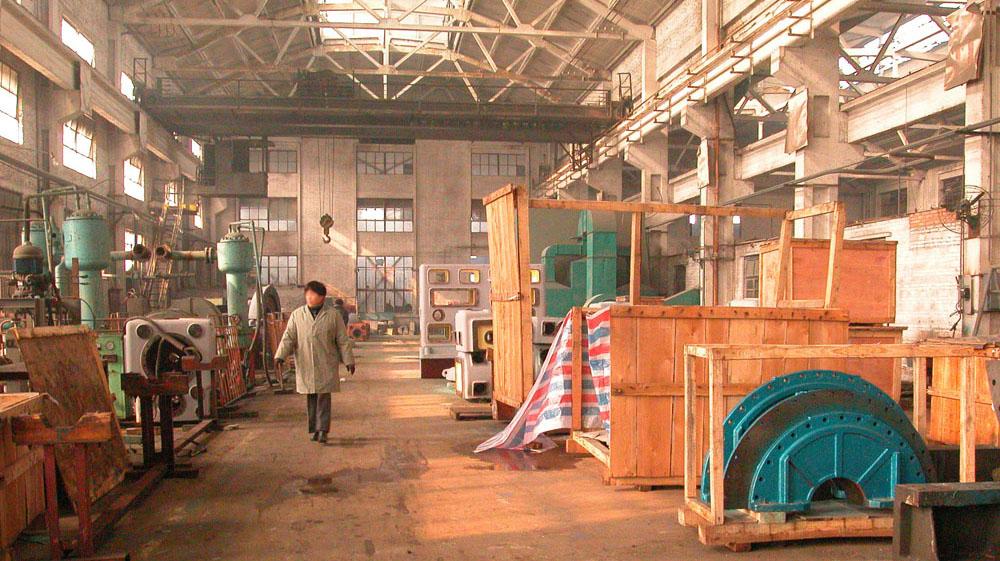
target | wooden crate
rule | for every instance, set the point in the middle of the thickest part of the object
(944, 420)
(867, 288)
(22, 494)
(647, 374)
(738, 529)
(883, 372)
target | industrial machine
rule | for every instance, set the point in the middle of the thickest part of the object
(111, 349)
(584, 271)
(153, 347)
(446, 289)
(87, 239)
(815, 435)
(235, 258)
(473, 338)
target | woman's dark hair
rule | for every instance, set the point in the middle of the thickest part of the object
(317, 287)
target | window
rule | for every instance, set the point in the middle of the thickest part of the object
(478, 217)
(384, 284)
(127, 86)
(751, 276)
(469, 276)
(135, 187)
(10, 105)
(78, 147)
(438, 276)
(274, 215)
(408, 12)
(199, 217)
(892, 203)
(77, 42)
(385, 215)
(385, 163)
(280, 270)
(131, 239)
(172, 194)
(197, 149)
(454, 297)
(492, 165)
(278, 161)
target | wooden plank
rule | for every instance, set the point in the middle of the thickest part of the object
(836, 249)
(65, 364)
(691, 457)
(716, 415)
(781, 290)
(970, 368)
(815, 210)
(523, 249)
(655, 359)
(663, 208)
(653, 389)
(903, 350)
(624, 368)
(726, 312)
(635, 264)
(577, 369)
(920, 395)
(595, 447)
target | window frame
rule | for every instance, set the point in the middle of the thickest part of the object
(76, 35)
(388, 216)
(754, 278)
(84, 164)
(10, 83)
(132, 188)
(279, 270)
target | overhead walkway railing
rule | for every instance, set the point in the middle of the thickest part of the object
(785, 24)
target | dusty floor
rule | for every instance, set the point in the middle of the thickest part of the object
(398, 480)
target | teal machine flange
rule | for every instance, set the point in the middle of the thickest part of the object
(814, 433)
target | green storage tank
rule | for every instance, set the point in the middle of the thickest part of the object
(87, 238)
(235, 258)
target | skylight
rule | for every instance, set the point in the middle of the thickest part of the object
(916, 36)
(407, 12)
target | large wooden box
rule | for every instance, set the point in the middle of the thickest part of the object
(883, 372)
(945, 418)
(22, 494)
(647, 375)
(867, 276)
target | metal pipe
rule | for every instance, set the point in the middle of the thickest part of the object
(138, 252)
(164, 252)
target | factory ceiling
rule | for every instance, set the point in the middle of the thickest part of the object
(480, 51)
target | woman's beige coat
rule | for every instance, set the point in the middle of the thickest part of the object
(319, 346)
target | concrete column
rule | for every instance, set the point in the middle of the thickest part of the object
(711, 32)
(982, 167)
(651, 156)
(719, 183)
(814, 66)
(607, 178)
(649, 82)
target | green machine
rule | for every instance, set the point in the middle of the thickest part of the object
(111, 348)
(576, 273)
(87, 238)
(235, 259)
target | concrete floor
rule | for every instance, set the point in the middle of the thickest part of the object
(398, 480)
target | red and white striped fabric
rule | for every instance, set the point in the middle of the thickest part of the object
(549, 405)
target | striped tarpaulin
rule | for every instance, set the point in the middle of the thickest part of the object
(549, 405)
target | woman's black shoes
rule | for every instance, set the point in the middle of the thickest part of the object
(322, 437)
(315, 436)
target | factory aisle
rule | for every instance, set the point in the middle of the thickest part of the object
(398, 481)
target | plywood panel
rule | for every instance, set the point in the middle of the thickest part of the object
(883, 372)
(945, 413)
(63, 362)
(510, 295)
(867, 276)
(623, 407)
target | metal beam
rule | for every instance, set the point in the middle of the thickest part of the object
(250, 21)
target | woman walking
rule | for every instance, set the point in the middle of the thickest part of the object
(317, 337)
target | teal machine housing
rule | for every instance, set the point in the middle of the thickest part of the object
(87, 238)
(235, 259)
(592, 263)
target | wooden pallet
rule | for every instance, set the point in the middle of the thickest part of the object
(743, 528)
(466, 411)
